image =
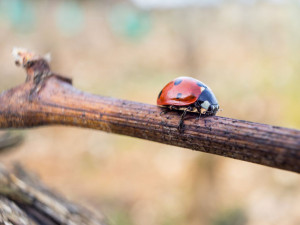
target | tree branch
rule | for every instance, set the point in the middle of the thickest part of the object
(58, 102)
(24, 199)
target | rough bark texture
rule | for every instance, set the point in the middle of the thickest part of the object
(25, 200)
(58, 102)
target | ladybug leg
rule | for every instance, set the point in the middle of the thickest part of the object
(164, 110)
(199, 115)
(198, 107)
(172, 107)
(180, 125)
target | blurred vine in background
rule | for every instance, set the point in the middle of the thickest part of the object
(129, 22)
(69, 17)
(231, 216)
(10, 139)
(21, 14)
(119, 217)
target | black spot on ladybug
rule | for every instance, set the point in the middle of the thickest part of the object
(159, 94)
(200, 84)
(177, 81)
(178, 95)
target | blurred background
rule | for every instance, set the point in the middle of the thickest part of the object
(247, 51)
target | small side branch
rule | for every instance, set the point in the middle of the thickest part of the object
(58, 102)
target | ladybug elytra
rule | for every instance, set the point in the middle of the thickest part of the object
(188, 94)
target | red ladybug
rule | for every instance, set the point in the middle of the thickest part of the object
(188, 94)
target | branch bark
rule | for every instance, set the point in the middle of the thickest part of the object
(58, 102)
(25, 200)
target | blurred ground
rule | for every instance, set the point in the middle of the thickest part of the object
(248, 52)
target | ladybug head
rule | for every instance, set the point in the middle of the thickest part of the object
(208, 101)
(212, 110)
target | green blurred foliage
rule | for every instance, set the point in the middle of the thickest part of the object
(69, 17)
(21, 14)
(129, 22)
(119, 217)
(234, 216)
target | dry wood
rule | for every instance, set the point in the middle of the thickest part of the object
(58, 102)
(25, 200)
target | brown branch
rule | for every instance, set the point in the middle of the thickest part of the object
(25, 200)
(58, 102)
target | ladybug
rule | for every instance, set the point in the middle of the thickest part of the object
(188, 94)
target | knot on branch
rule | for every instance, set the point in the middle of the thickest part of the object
(35, 65)
(37, 68)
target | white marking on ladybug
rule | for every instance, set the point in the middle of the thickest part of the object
(205, 105)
